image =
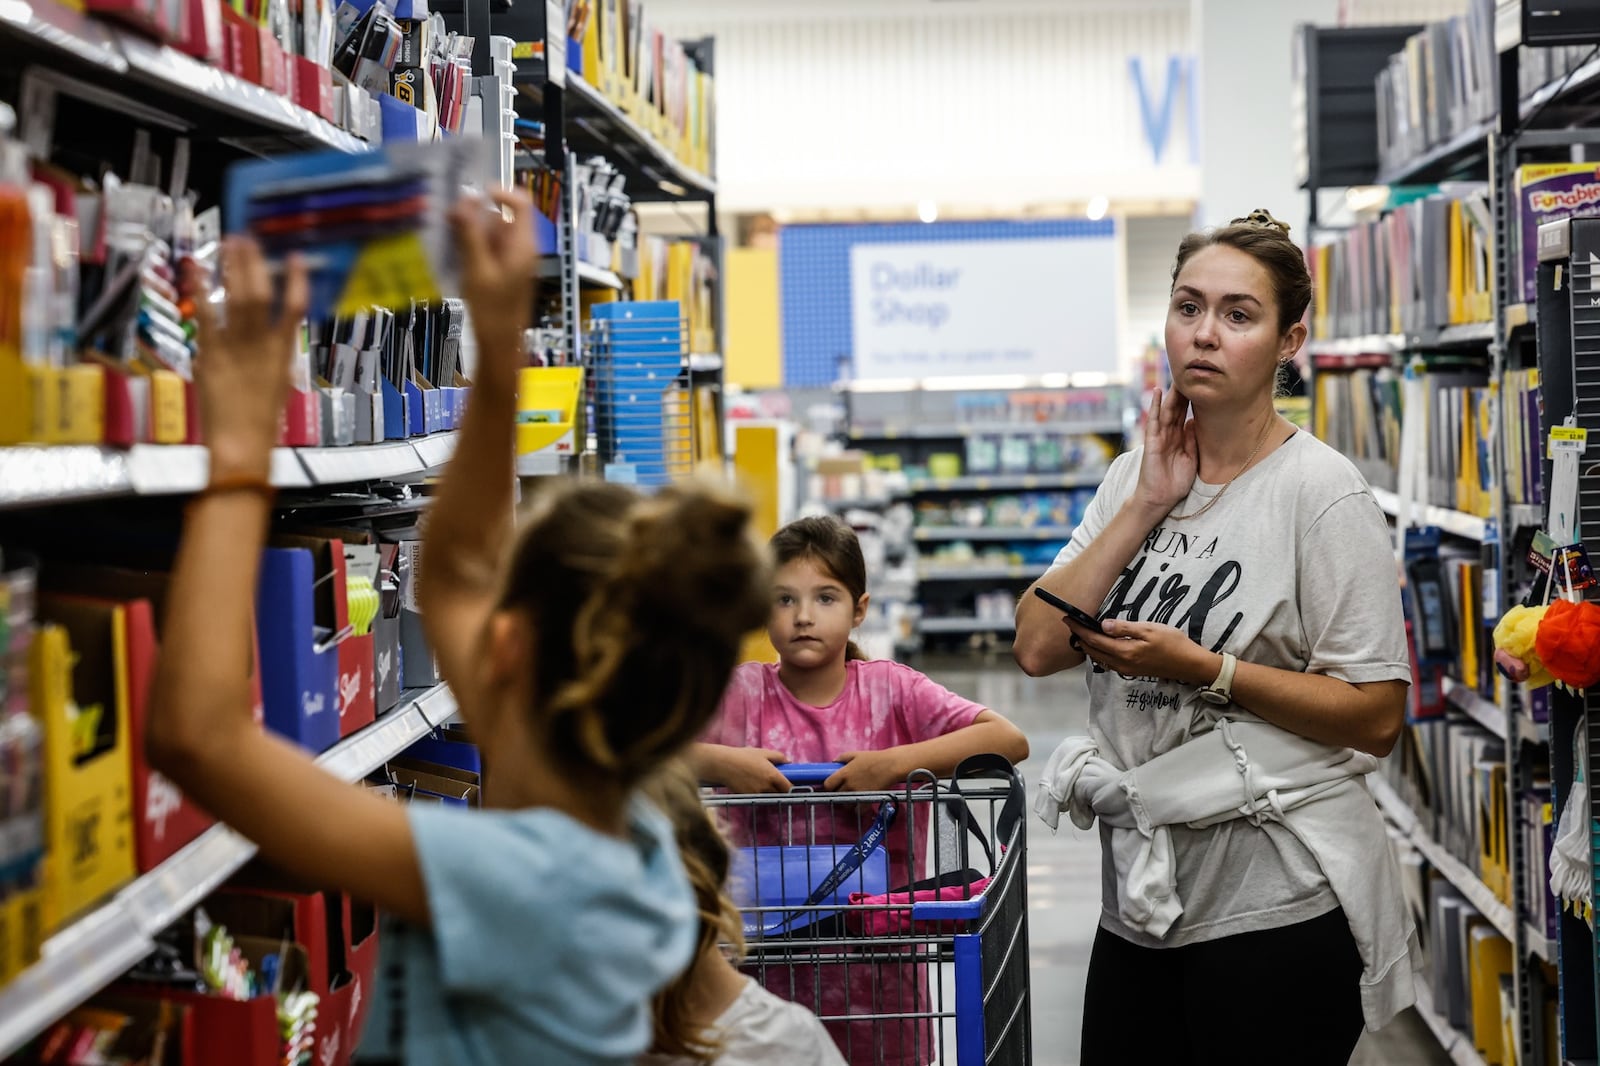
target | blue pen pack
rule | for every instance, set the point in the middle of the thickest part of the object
(373, 226)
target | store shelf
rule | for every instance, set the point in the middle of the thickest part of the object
(704, 362)
(1467, 883)
(1455, 1044)
(955, 431)
(1531, 732)
(653, 173)
(1484, 711)
(99, 947)
(1454, 522)
(857, 503)
(1461, 152)
(1377, 349)
(1525, 515)
(1540, 945)
(32, 474)
(1007, 482)
(981, 573)
(137, 75)
(1061, 533)
(1380, 347)
(1520, 315)
(965, 625)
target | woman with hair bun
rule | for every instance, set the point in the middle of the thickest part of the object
(1253, 658)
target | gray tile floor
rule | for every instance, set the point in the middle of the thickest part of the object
(1064, 870)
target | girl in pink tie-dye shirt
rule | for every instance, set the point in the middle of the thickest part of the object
(823, 702)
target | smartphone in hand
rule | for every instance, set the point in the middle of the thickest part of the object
(1082, 617)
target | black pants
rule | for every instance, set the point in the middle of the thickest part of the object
(1274, 998)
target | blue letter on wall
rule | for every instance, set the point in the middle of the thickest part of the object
(1158, 125)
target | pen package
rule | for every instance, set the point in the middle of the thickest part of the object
(372, 227)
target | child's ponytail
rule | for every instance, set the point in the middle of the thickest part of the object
(640, 605)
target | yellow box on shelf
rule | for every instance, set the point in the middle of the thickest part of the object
(79, 694)
(21, 931)
(82, 417)
(547, 415)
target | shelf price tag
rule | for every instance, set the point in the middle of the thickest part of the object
(1568, 439)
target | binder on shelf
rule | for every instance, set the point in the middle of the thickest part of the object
(78, 691)
(299, 653)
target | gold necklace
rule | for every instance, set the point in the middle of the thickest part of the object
(1248, 460)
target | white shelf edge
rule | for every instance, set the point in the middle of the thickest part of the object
(705, 362)
(1477, 893)
(953, 430)
(1006, 482)
(1350, 347)
(1455, 1044)
(97, 948)
(1485, 712)
(993, 533)
(964, 625)
(360, 462)
(981, 573)
(1462, 525)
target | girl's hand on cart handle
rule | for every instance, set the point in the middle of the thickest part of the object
(745, 771)
(867, 771)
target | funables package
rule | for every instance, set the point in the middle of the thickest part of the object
(373, 227)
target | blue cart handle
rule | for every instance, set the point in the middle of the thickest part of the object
(809, 773)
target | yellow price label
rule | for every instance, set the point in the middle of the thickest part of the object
(1568, 439)
(389, 272)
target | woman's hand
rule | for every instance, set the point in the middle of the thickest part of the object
(1148, 649)
(245, 352)
(498, 255)
(1171, 456)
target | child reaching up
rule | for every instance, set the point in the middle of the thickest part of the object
(713, 1013)
(584, 650)
(823, 702)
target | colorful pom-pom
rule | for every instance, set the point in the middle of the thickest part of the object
(1568, 643)
(1516, 634)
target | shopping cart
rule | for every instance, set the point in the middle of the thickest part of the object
(899, 917)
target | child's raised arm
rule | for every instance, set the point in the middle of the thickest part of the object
(469, 527)
(200, 733)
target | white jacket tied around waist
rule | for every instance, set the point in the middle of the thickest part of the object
(1256, 771)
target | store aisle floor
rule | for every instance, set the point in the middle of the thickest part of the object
(1064, 869)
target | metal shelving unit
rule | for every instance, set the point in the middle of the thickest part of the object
(1061, 533)
(97, 948)
(980, 572)
(1006, 482)
(1491, 150)
(955, 431)
(965, 625)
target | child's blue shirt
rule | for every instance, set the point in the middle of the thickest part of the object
(548, 940)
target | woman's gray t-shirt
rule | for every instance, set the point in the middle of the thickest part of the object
(1293, 568)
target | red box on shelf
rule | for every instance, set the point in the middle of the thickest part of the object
(358, 684)
(340, 940)
(302, 420)
(204, 38)
(274, 64)
(243, 44)
(313, 87)
(237, 1032)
